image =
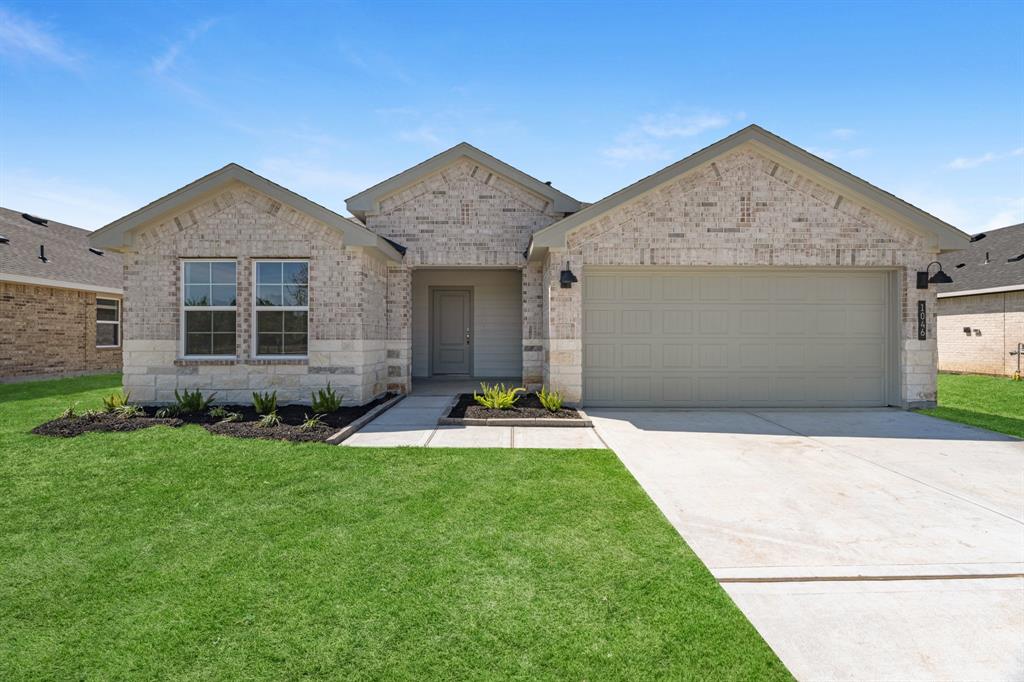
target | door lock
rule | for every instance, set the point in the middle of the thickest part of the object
(467, 337)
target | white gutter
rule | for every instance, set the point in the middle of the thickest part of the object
(58, 284)
(976, 292)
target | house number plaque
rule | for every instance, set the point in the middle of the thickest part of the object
(922, 321)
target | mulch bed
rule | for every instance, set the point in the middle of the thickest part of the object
(528, 407)
(292, 417)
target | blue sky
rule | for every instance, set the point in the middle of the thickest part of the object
(107, 106)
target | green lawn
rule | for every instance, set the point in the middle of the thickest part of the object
(993, 403)
(172, 553)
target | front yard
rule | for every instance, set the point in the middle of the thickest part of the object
(174, 553)
(994, 403)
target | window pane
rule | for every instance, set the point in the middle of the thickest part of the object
(295, 344)
(268, 273)
(197, 295)
(268, 344)
(268, 294)
(295, 295)
(270, 321)
(222, 273)
(223, 321)
(198, 321)
(296, 273)
(198, 344)
(295, 321)
(108, 302)
(223, 344)
(106, 334)
(197, 273)
(109, 314)
(222, 294)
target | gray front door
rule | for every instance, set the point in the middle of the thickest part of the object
(451, 335)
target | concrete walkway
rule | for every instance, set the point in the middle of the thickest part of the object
(413, 422)
(862, 544)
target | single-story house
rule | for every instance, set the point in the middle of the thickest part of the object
(60, 300)
(751, 273)
(981, 313)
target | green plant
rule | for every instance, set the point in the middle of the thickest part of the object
(326, 401)
(69, 411)
(192, 402)
(264, 403)
(497, 397)
(551, 400)
(269, 420)
(115, 400)
(167, 412)
(311, 422)
(129, 411)
(222, 414)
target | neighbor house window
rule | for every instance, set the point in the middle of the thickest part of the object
(108, 323)
(208, 308)
(281, 306)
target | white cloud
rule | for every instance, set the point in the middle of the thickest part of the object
(842, 133)
(165, 61)
(21, 37)
(650, 137)
(1013, 214)
(968, 162)
(66, 201)
(424, 134)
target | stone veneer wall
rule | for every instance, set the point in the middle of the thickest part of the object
(462, 216)
(996, 324)
(347, 290)
(743, 209)
(46, 331)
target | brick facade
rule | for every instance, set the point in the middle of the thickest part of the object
(994, 324)
(46, 331)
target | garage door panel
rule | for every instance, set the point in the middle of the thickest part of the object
(691, 339)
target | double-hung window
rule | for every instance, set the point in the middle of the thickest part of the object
(208, 308)
(281, 308)
(108, 323)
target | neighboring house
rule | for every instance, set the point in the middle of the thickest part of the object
(60, 302)
(750, 273)
(981, 314)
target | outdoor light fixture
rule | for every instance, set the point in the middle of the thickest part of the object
(940, 277)
(567, 277)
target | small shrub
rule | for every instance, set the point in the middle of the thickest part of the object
(128, 411)
(69, 411)
(312, 422)
(269, 420)
(552, 401)
(222, 414)
(326, 401)
(115, 400)
(192, 402)
(90, 414)
(497, 397)
(167, 412)
(264, 403)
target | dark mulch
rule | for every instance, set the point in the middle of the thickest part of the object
(67, 427)
(528, 407)
(292, 417)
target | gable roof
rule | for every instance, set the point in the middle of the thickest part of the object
(116, 234)
(973, 275)
(69, 263)
(368, 200)
(947, 236)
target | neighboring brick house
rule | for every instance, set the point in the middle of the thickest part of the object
(52, 290)
(750, 273)
(981, 314)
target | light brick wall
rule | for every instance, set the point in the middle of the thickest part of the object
(996, 324)
(744, 209)
(347, 289)
(462, 216)
(45, 331)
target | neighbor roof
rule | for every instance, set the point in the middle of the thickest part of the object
(116, 234)
(69, 263)
(993, 262)
(368, 200)
(947, 236)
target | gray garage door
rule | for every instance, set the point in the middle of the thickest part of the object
(728, 338)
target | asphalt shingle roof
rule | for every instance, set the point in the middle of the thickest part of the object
(969, 268)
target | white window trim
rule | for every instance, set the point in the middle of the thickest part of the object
(117, 321)
(285, 308)
(213, 308)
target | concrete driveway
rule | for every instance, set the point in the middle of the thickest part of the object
(862, 544)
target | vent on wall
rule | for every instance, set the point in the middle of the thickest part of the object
(96, 251)
(42, 254)
(1015, 258)
(34, 219)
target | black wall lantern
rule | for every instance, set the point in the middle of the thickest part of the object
(940, 277)
(567, 277)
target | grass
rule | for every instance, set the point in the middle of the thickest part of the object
(994, 403)
(176, 554)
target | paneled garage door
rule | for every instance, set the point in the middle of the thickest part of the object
(729, 338)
